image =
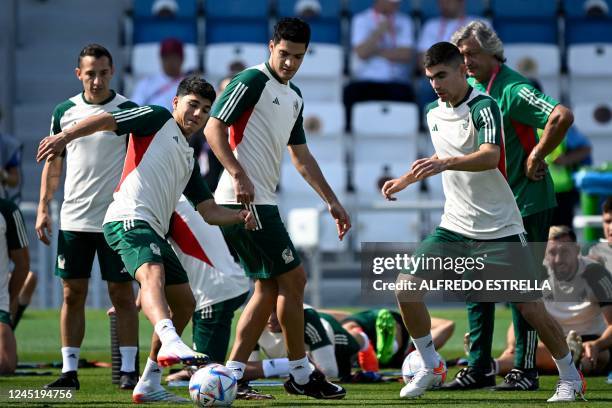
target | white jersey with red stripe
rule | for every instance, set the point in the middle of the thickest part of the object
(213, 274)
(479, 204)
(264, 116)
(159, 167)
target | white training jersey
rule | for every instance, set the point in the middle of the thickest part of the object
(93, 164)
(12, 236)
(479, 204)
(214, 275)
(576, 303)
(159, 167)
(602, 251)
(264, 116)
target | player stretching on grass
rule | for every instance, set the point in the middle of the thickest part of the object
(159, 167)
(262, 110)
(480, 211)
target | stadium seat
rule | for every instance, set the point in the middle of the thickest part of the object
(320, 75)
(385, 119)
(313, 227)
(237, 21)
(588, 30)
(524, 8)
(368, 174)
(429, 9)
(525, 30)
(236, 9)
(573, 8)
(357, 6)
(386, 226)
(590, 69)
(595, 121)
(545, 60)
(186, 8)
(219, 57)
(326, 28)
(323, 119)
(151, 29)
(145, 59)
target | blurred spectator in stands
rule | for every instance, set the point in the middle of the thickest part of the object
(164, 8)
(573, 152)
(159, 89)
(452, 17)
(234, 68)
(307, 9)
(10, 164)
(602, 251)
(382, 41)
(596, 8)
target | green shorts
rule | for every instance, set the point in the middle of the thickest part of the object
(137, 243)
(5, 317)
(507, 258)
(537, 226)
(267, 252)
(345, 346)
(75, 255)
(212, 327)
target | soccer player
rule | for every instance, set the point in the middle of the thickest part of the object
(13, 248)
(159, 167)
(261, 110)
(93, 167)
(465, 127)
(524, 109)
(580, 300)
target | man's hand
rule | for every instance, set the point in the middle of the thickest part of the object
(43, 223)
(591, 352)
(248, 219)
(427, 167)
(535, 168)
(343, 221)
(244, 189)
(51, 147)
(394, 186)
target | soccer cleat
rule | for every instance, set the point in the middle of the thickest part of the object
(574, 343)
(566, 391)
(520, 380)
(127, 381)
(246, 392)
(157, 395)
(423, 380)
(318, 387)
(385, 336)
(68, 379)
(469, 378)
(178, 352)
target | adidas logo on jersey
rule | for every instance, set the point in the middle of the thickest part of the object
(276, 102)
(175, 138)
(434, 128)
(287, 255)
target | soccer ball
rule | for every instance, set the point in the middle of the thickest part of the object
(213, 385)
(413, 363)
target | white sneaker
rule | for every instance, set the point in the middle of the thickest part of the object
(178, 352)
(143, 396)
(574, 343)
(567, 390)
(423, 380)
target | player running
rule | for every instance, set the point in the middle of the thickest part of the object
(261, 110)
(159, 167)
(524, 109)
(480, 209)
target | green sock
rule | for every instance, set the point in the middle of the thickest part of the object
(526, 341)
(481, 318)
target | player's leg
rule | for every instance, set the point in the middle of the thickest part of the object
(24, 298)
(441, 331)
(8, 345)
(290, 312)
(505, 362)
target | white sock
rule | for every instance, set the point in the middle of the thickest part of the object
(278, 367)
(366, 341)
(166, 331)
(567, 369)
(428, 352)
(70, 359)
(128, 358)
(237, 368)
(300, 370)
(151, 376)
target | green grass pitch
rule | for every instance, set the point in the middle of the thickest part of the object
(38, 340)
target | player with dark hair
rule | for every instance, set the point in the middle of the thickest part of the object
(524, 110)
(262, 111)
(480, 214)
(93, 167)
(159, 167)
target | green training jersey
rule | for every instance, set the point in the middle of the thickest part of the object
(524, 110)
